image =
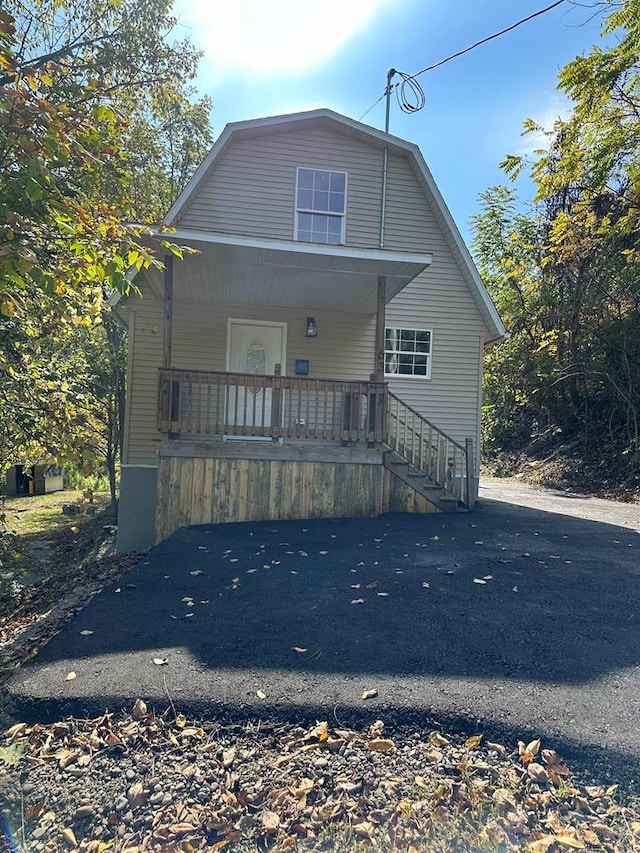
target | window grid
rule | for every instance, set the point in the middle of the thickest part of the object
(407, 352)
(320, 206)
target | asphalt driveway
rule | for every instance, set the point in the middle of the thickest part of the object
(514, 618)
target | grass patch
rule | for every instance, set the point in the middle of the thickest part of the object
(41, 515)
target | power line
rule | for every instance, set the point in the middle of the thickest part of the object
(375, 104)
(416, 99)
(488, 38)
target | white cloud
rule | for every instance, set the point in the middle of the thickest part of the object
(271, 36)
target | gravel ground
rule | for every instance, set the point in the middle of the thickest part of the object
(140, 782)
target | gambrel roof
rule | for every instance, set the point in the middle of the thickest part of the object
(353, 129)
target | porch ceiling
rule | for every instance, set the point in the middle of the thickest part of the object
(250, 271)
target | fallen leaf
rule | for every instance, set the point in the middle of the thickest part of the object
(542, 845)
(365, 829)
(181, 721)
(14, 753)
(69, 836)
(320, 731)
(570, 841)
(434, 756)
(228, 757)
(139, 709)
(473, 742)
(261, 694)
(537, 772)
(437, 739)
(137, 795)
(603, 831)
(181, 828)
(381, 744)
(192, 731)
(370, 694)
(16, 729)
(34, 811)
(270, 821)
(530, 751)
(70, 676)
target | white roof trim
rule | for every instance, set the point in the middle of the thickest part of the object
(297, 247)
(472, 276)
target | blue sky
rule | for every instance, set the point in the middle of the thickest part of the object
(267, 57)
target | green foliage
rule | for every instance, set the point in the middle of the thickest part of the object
(565, 275)
(98, 129)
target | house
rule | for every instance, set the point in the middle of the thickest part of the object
(321, 353)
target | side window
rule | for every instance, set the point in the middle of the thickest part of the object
(320, 206)
(407, 352)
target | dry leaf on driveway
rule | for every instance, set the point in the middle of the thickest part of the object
(381, 744)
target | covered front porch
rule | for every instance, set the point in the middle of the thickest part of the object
(268, 436)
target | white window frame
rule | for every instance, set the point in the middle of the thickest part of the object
(342, 216)
(395, 351)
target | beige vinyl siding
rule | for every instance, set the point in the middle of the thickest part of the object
(438, 299)
(251, 191)
(343, 350)
(451, 397)
(145, 348)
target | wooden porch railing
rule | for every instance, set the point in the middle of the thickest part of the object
(429, 450)
(195, 402)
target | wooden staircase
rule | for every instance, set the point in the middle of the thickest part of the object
(427, 459)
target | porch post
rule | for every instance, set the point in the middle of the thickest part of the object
(377, 400)
(168, 310)
(380, 326)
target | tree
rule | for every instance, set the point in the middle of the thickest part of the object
(98, 128)
(584, 241)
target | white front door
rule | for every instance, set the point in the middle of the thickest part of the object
(253, 347)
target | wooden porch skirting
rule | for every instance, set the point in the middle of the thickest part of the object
(220, 482)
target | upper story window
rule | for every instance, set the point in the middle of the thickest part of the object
(321, 206)
(407, 352)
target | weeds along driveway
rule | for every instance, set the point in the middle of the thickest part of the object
(523, 619)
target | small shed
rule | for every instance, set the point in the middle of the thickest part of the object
(38, 479)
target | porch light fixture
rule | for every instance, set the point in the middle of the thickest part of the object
(312, 329)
